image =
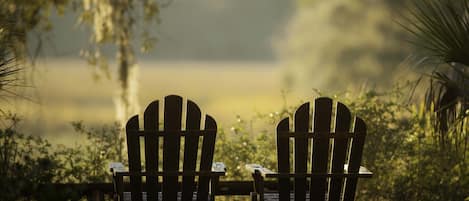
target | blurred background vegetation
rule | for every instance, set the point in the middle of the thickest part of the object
(400, 65)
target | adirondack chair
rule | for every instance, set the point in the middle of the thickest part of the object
(334, 157)
(170, 189)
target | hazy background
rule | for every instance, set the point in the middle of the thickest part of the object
(232, 57)
(203, 30)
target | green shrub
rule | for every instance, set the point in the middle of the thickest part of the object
(408, 156)
(88, 162)
(402, 149)
(28, 166)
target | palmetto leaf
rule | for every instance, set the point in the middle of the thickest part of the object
(449, 95)
(441, 27)
(9, 67)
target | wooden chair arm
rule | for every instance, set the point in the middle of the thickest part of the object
(253, 168)
(219, 167)
(361, 171)
(169, 173)
(264, 172)
(115, 167)
(258, 174)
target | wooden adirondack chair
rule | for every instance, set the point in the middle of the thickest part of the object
(334, 157)
(170, 189)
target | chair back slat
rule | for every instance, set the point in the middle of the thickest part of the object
(191, 142)
(150, 123)
(206, 158)
(133, 149)
(355, 158)
(301, 149)
(322, 125)
(342, 126)
(171, 145)
(283, 156)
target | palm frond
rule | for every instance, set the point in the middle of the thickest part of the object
(8, 71)
(448, 96)
(9, 67)
(441, 27)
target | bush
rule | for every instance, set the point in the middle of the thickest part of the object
(402, 149)
(28, 166)
(88, 162)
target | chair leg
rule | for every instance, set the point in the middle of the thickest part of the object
(258, 185)
(95, 195)
(253, 196)
(118, 184)
(213, 187)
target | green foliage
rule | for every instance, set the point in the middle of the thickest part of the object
(441, 28)
(387, 130)
(88, 161)
(28, 166)
(243, 147)
(8, 75)
(243, 144)
(20, 17)
(402, 149)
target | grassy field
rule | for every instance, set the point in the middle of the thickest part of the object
(65, 91)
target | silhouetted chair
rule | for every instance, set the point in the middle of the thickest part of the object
(162, 183)
(334, 157)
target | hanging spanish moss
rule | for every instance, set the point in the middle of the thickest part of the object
(115, 22)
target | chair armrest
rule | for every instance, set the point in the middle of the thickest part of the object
(258, 174)
(219, 167)
(253, 168)
(362, 171)
(117, 181)
(264, 172)
(116, 167)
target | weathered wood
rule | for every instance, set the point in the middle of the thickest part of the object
(172, 173)
(182, 133)
(342, 125)
(329, 174)
(133, 149)
(283, 157)
(151, 148)
(119, 186)
(322, 123)
(206, 158)
(191, 142)
(171, 144)
(301, 150)
(170, 188)
(355, 158)
(316, 134)
(362, 174)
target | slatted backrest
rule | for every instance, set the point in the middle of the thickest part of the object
(327, 137)
(171, 136)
